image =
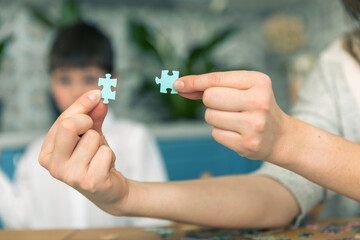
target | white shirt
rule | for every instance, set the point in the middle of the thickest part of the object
(37, 200)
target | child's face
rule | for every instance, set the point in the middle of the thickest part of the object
(68, 84)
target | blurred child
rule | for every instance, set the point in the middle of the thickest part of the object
(80, 54)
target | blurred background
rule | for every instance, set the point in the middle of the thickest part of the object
(279, 37)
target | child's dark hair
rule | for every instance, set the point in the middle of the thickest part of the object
(352, 7)
(81, 45)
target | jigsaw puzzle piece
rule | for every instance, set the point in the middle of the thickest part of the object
(167, 81)
(107, 83)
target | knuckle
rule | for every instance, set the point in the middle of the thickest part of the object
(214, 134)
(54, 172)
(217, 79)
(264, 80)
(191, 84)
(68, 125)
(87, 118)
(254, 101)
(93, 135)
(251, 144)
(108, 152)
(73, 178)
(258, 124)
(265, 104)
(207, 97)
(89, 185)
(208, 115)
(83, 105)
(42, 159)
(260, 102)
(70, 180)
(105, 149)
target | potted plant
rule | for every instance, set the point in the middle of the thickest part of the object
(69, 13)
(3, 45)
(197, 60)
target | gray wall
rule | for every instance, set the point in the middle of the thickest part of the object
(24, 80)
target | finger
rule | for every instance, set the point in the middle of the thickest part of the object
(101, 163)
(86, 103)
(98, 115)
(193, 96)
(231, 121)
(83, 105)
(68, 135)
(229, 139)
(244, 145)
(85, 150)
(234, 79)
(229, 99)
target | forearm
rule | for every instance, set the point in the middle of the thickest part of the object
(233, 201)
(321, 157)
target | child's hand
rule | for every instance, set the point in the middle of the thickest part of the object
(242, 109)
(75, 152)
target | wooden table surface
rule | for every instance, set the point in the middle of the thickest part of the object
(341, 229)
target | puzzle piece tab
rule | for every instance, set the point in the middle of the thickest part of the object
(167, 81)
(107, 83)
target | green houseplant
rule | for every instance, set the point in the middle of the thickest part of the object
(161, 53)
(4, 42)
(69, 13)
(197, 60)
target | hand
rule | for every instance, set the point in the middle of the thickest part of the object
(241, 108)
(76, 152)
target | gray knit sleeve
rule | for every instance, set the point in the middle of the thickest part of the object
(316, 105)
(307, 194)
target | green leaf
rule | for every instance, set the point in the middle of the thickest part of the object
(202, 51)
(198, 61)
(144, 38)
(3, 44)
(41, 17)
(70, 12)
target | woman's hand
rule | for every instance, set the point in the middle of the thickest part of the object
(242, 109)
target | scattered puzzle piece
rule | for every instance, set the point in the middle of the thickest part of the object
(305, 235)
(167, 81)
(165, 233)
(107, 83)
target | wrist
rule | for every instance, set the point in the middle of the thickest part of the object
(133, 201)
(285, 143)
(125, 205)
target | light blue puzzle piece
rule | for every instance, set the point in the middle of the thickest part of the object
(107, 83)
(167, 81)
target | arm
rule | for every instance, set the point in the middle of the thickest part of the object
(246, 118)
(75, 152)
(232, 202)
(147, 166)
(324, 158)
(323, 111)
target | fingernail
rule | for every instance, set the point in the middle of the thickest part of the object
(94, 95)
(179, 85)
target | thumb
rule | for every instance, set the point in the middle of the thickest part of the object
(85, 104)
(98, 115)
